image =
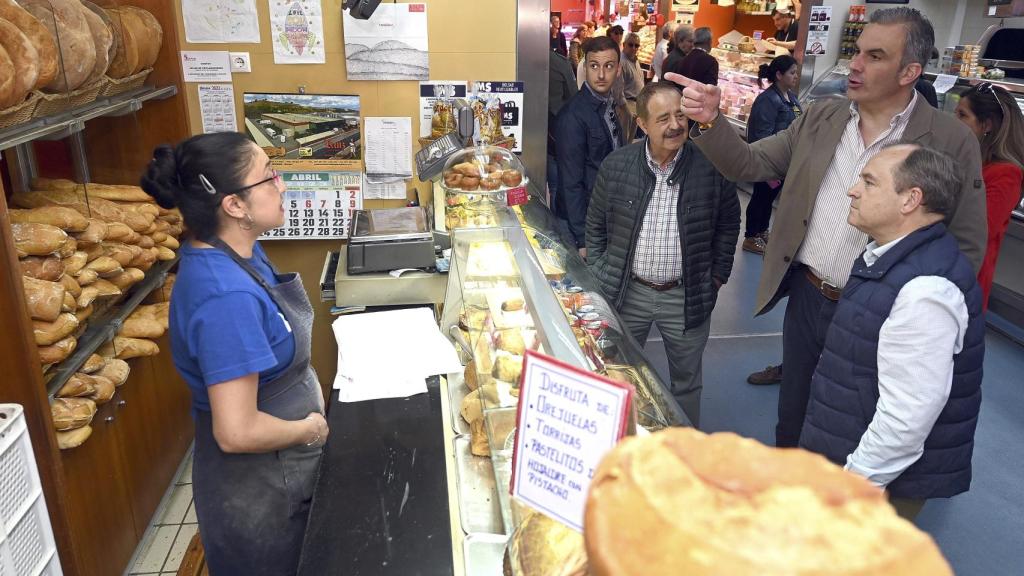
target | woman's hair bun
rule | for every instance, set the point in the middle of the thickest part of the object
(762, 71)
(161, 178)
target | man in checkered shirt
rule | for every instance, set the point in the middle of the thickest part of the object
(661, 233)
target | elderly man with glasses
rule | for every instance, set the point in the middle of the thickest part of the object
(632, 75)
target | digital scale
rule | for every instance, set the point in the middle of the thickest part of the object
(390, 239)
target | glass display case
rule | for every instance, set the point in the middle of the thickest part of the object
(737, 77)
(513, 286)
(475, 182)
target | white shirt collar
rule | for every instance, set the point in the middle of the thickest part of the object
(654, 163)
(855, 111)
(873, 251)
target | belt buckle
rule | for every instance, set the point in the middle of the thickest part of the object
(828, 285)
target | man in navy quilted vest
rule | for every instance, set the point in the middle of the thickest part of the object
(896, 393)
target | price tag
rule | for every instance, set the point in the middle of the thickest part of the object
(517, 196)
(567, 420)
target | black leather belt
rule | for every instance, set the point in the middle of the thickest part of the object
(655, 285)
(827, 289)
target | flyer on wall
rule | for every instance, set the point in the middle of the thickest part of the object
(297, 31)
(818, 30)
(390, 45)
(217, 108)
(433, 92)
(497, 108)
(220, 21)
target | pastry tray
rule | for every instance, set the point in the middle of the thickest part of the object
(484, 554)
(479, 509)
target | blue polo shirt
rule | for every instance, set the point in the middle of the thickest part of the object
(223, 325)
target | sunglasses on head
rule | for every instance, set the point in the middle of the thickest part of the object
(631, 45)
(988, 88)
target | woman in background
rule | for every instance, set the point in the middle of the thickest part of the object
(240, 338)
(773, 111)
(993, 115)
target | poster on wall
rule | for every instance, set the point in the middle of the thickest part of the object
(436, 91)
(217, 108)
(817, 31)
(497, 108)
(322, 129)
(297, 31)
(318, 204)
(205, 66)
(390, 45)
(220, 21)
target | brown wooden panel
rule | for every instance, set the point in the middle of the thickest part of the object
(151, 439)
(97, 499)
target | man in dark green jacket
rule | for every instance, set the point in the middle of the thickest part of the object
(661, 234)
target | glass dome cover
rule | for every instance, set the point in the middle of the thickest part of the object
(483, 170)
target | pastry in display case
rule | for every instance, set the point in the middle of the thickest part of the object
(476, 182)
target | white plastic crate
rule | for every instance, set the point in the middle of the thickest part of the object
(27, 547)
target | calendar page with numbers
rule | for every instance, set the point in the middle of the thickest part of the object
(318, 204)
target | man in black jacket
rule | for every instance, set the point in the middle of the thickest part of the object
(661, 234)
(587, 129)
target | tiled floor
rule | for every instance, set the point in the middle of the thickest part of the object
(164, 544)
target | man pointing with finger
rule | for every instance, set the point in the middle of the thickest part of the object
(820, 156)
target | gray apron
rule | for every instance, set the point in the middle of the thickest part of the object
(252, 508)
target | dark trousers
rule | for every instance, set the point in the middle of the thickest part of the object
(552, 170)
(808, 316)
(759, 209)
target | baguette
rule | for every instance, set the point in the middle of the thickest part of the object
(88, 295)
(93, 364)
(57, 351)
(75, 263)
(64, 184)
(42, 268)
(66, 440)
(106, 289)
(78, 386)
(87, 277)
(68, 248)
(67, 219)
(47, 333)
(142, 328)
(71, 285)
(43, 298)
(120, 252)
(104, 265)
(88, 205)
(71, 413)
(165, 253)
(144, 242)
(83, 314)
(115, 370)
(171, 242)
(124, 348)
(117, 193)
(69, 304)
(118, 231)
(32, 239)
(95, 232)
(128, 278)
(142, 206)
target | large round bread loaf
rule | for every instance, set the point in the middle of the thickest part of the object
(102, 38)
(683, 502)
(41, 39)
(150, 36)
(77, 51)
(126, 46)
(8, 83)
(25, 59)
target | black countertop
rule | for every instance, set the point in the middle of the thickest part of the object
(381, 501)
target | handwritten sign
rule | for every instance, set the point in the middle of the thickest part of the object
(567, 420)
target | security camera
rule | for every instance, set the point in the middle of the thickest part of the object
(361, 9)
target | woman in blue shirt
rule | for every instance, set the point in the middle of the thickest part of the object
(773, 111)
(240, 337)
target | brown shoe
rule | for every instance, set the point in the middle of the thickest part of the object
(770, 375)
(754, 244)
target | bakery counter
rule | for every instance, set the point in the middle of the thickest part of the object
(381, 503)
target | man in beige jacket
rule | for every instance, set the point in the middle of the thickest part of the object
(820, 156)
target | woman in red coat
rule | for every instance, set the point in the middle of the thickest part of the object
(993, 115)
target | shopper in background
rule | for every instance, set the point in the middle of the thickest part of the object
(561, 87)
(896, 395)
(698, 64)
(558, 43)
(993, 115)
(682, 43)
(240, 337)
(581, 35)
(662, 48)
(661, 234)
(786, 30)
(632, 75)
(615, 33)
(820, 155)
(587, 129)
(773, 111)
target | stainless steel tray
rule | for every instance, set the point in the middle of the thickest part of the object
(484, 554)
(457, 390)
(479, 508)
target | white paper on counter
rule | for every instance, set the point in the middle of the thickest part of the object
(390, 354)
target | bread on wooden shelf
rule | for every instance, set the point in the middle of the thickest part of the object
(93, 364)
(102, 39)
(57, 351)
(47, 333)
(67, 440)
(43, 298)
(31, 239)
(71, 413)
(77, 51)
(42, 40)
(78, 385)
(126, 348)
(67, 219)
(25, 61)
(115, 370)
(49, 268)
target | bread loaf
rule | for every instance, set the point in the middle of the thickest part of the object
(125, 348)
(142, 328)
(143, 206)
(94, 233)
(47, 333)
(144, 241)
(87, 278)
(67, 219)
(43, 298)
(40, 183)
(71, 413)
(119, 193)
(68, 247)
(83, 314)
(106, 288)
(128, 278)
(126, 49)
(69, 304)
(121, 253)
(73, 264)
(49, 268)
(88, 295)
(541, 545)
(8, 80)
(115, 370)
(73, 438)
(42, 40)
(104, 390)
(102, 39)
(78, 386)
(37, 239)
(119, 232)
(24, 58)
(93, 363)
(71, 285)
(683, 502)
(151, 37)
(90, 206)
(164, 253)
(170, 243)
(57, 351)
(77, 52)
(104, 265)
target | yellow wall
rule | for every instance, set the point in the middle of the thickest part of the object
(469, 40)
